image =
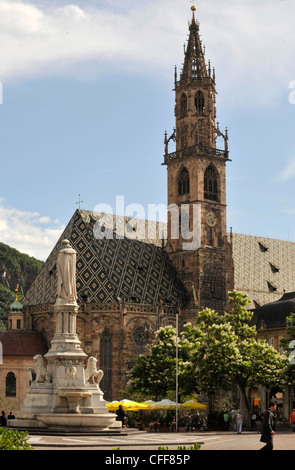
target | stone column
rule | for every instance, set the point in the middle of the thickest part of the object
(65, 354)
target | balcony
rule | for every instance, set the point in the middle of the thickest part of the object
(195, 151)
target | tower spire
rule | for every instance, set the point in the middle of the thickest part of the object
(196, 177)
(194, 67)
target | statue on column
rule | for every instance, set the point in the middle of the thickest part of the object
(66, 275)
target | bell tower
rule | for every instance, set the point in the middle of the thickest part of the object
(196, 176)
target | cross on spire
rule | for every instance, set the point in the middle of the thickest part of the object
(79, 202)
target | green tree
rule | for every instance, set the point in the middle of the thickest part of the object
(229, 353)
(6, 298)
(215, 353)
(16, 270)
(290, 331)
(154, 373)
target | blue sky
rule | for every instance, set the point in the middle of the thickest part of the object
(87, 97)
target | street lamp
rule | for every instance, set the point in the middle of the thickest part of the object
(176, 373)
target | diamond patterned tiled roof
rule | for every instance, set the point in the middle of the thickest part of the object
(107, 269)
(263, 267)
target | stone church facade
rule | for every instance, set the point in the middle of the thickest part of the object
(128, 286)
(131, 281)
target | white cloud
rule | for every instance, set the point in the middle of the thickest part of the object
(28, 232)
(289, 211)
(289, 171)
(251, 43)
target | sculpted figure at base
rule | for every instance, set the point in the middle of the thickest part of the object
(39, 369)
(71, 372)
(66, 274)
(91, 371)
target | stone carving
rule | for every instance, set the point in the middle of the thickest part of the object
(91, 372)
(66, 275)
(42, 374)
(72, 372)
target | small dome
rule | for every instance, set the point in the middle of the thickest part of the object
(16, 306)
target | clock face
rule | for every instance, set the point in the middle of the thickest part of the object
(211, 219)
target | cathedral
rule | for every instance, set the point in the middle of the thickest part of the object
(130, 284)
(130, 278)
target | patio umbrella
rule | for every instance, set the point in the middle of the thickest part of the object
(193, 405)
(127, 405)
(164, 405)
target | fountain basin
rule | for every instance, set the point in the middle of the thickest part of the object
(77, 420)
(74, 398)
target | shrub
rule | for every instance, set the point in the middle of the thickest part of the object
(11, 439)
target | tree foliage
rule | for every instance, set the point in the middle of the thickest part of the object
(290, 330)
(16, 269)
(12, 439)
(215, 353)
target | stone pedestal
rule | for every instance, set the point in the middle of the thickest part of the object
(61, 396)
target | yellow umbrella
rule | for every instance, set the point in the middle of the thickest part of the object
(127, 405)
(193, 405)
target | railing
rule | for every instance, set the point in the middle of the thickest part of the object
(195, 150)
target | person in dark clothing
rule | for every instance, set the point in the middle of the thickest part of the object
(11, 416)
(268, 427)
(121, 416)
(3, 419)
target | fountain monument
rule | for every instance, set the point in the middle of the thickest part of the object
(64, 391)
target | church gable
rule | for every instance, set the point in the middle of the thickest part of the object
(43, 289)
(90, 276)
(110, 269)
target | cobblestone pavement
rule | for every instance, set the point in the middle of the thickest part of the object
(152, 441)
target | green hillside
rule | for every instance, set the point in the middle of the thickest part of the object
(17, 270)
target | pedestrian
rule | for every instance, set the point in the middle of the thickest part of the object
(239, 422)
(226, 421)
(268, 427)
(121, 416)
(253, 420)
(3, 419)
(292, 421)
(11, 416)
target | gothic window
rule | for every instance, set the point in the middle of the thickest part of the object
(210, 184)
(199, 104)
(183, 105)
(183, 182)
(210, 237)
(106, 363)
(10, 385)
(140, 336)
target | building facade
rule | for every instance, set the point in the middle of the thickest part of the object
(130, 280)
(18, 346)
(134, 276)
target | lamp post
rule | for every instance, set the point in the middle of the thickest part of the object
(176, 373)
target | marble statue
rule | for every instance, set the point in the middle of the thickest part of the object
(66, 275)
(91, 371)
(39, 369)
